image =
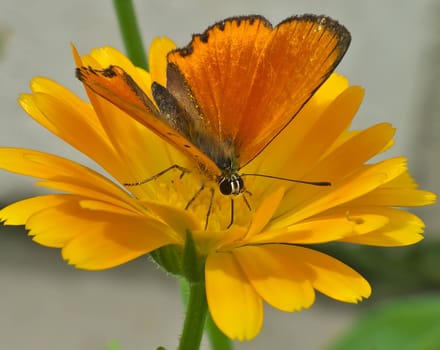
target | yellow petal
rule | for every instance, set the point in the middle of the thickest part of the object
(113, 240)
(365, 180)
(333, 278)
(67, 176)
(234, 305)
(19, 212)
(404, 180)
(159, 48)
(180, 220)
(325, 228)
(400, 192)
(332, 87)
(76, 186)
(323, 127)
(210, 241)
(56, 225)
(333, 121)
(276, 275)
(396, 198)
(81, 111)
(98, 205)
(265, 212)
(75, 124)
(311, 113)
(346, 158)
(403, 229)
(103, 57)
(358, 149)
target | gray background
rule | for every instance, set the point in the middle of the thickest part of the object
(45, 304)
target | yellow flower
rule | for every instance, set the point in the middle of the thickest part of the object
(99, 224)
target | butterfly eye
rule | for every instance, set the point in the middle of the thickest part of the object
(231, 184)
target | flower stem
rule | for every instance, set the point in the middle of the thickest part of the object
(194, 318)
(130, 32)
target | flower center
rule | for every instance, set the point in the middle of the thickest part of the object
(206, 199)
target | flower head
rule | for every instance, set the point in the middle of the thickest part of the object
(267, 253)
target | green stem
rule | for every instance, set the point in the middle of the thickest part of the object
(194, 318)
(217, 339)
(130, 32)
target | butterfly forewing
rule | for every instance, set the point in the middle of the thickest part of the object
(218, 65)
(251, 80)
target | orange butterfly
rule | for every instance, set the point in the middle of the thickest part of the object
(232, 90)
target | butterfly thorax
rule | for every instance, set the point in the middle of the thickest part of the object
(229, 181)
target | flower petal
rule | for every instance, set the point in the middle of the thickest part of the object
(73, 121)
(112, 240)
(19, 212)
(400, 192)
(316, 122)
(234, 305)
(265, 212)
(180, 220)
(332, 277)
(395, 197)
(402, 229)
(80, 114)
(360, 148)
(343, 160)
(325, 228)
(365, 180)
(274, 272)
(66, 175)
(159, 48)
(333, 121)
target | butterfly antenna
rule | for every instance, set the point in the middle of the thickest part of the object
(313, 183)
(154, 177)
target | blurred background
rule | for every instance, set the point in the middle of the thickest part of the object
(45, 304)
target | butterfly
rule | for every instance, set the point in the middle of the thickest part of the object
(231, 90)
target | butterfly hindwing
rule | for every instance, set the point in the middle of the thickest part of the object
(116, 86)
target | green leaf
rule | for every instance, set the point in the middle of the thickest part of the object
(407, 324)
(169, 258)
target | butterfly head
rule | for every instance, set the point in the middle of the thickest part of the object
(230, 183)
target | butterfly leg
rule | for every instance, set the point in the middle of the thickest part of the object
(154, 177)
(193, 198)
(246, 200)
(211, 202)
(232, 207)
(208, 214)
(232, 214)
